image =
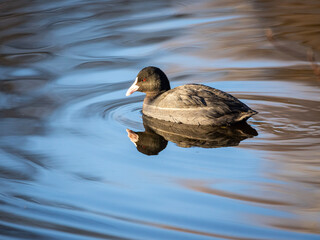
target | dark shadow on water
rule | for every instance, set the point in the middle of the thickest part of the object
(157, 134)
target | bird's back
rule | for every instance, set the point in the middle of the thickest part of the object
(197, 104)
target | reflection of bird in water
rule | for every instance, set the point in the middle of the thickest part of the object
(193, 104)
(157, 133)
(147, 142)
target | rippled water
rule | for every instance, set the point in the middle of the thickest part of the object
(68, 169)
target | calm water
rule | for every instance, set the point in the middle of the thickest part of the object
(68, 169)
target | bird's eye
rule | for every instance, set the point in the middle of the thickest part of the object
(144, 80)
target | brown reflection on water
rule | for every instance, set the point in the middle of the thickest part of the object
(304, 208)
(297, 21)
(240, 36)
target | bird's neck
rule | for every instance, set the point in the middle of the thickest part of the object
(151, 96)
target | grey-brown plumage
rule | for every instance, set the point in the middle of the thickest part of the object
(193, 104)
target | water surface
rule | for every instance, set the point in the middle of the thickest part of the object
(68, 169)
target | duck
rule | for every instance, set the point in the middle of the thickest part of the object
(192, 104)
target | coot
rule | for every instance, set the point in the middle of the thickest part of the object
(192, 104)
